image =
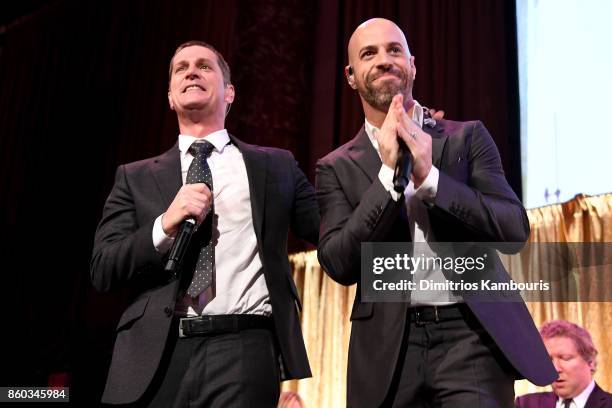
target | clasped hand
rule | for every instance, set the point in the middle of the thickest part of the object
(191, 201)
(398, 126)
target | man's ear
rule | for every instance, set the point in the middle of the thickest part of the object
(230, 93)
(413, 67)
(350, 76)
(170, 101)
(592, 366)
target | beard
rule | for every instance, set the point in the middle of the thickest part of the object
(380, 96)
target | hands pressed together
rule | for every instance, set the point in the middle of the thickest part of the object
(398, 126)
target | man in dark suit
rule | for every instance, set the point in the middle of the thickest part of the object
(574, 355)
(451, 350)
(225, 330)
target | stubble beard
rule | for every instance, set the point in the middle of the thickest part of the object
(379, 97)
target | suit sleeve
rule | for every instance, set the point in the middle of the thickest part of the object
(344, 228)
(485, 206)
(305, 217)
(123, 250)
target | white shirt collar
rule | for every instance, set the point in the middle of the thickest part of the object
(219, 139)
(417, 116)
(581, 399)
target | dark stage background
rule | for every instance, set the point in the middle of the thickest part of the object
(83, 89)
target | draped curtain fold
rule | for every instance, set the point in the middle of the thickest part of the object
(327, 305)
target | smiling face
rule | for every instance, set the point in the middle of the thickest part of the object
(197, 83)
(575, 373)
(380, 64)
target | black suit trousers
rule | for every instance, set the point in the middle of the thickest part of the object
(450, 364)
(228, 370)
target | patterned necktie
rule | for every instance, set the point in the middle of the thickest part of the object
(199, 172)
(567, 403)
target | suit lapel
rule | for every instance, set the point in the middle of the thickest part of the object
(596, 399)
(256, 162)
(438, 141)
(166, 170)
(364, 155)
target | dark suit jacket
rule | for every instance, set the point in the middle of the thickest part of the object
(598, 399)
(473, 203)
(124, 255)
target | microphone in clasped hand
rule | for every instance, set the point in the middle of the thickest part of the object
(180, 244)
(403, 168)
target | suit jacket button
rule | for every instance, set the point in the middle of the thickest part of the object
(168, 311)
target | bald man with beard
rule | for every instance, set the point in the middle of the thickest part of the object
(451, 351)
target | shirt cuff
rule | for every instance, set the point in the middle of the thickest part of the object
(385, 175)
(428, 190)
(161, 241)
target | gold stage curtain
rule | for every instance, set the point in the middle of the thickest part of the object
(327, 305)
(583, 219)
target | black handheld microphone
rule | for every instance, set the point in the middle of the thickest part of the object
(403, 168)
(179, 246)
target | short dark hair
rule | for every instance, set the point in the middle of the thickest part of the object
(225, 69)
(581, 338)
